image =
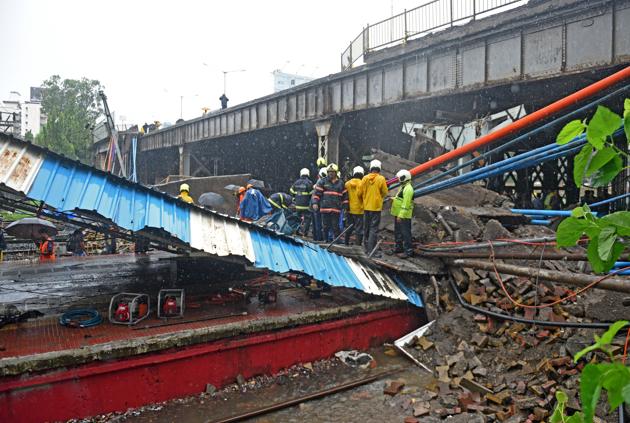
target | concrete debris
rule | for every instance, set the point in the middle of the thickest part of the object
(355, 358)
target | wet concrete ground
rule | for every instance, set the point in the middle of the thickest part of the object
(366, 403)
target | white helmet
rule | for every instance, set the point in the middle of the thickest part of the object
(305, 172)
(375, 164)
(323, 172)
(403, 175)
(358, 169)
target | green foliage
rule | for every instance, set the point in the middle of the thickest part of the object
(599, 159)
(72, 107)
(614, 377)
(606, 244)
(29, 136)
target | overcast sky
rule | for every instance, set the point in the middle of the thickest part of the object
(148, 53)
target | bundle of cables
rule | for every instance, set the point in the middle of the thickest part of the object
(524, 160)
(81, 318)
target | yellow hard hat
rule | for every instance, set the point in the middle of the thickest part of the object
(321, 162)
(333, 168)
(184, 187)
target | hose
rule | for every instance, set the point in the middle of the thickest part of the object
(73, 318)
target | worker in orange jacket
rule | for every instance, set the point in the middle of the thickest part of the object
(46, 248)
(373, 191)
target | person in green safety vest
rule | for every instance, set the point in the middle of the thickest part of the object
(402, 210)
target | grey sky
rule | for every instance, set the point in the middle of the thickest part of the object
(148, 53)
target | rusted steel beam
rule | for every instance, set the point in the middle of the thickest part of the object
(574, 279)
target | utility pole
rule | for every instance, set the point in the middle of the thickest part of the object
(225, 78)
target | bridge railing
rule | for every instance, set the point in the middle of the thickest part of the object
(432, 16)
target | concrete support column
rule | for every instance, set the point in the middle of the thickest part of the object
(184, 160)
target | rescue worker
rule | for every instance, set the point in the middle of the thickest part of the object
(280, 200)
(76, 243)
(46, 247)
(373, 191)
(302, 190)
(254, 205)
(3, 242)
(318, 233)
(329, 198)
(184, 194)
(239, 199)
(355, 206)
(553, 201)
(402, 210)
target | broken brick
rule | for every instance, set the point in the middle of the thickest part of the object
(500, 398)
(393, 388)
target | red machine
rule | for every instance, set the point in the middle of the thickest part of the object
(169, 308)
(122, 312)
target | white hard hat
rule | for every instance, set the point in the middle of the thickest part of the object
(305, 172)
(323, 172)
(375, 164)
(358, 169)
(403, 175)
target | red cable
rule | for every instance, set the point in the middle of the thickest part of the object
(522, 123)
(571, 295)
(625, 347)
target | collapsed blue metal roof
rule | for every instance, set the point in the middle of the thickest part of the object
(72, 187)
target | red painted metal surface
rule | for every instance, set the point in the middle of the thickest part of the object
(117, 385)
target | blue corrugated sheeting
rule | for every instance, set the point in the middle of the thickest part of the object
(67, 185)
(282, 255)
(413, 296)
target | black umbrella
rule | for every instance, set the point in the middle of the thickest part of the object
(257, 183)
(30, 228)
(211, 200)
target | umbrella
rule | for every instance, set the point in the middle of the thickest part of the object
(232, 187)
(257, 183)
(211, 200)
(30, 227)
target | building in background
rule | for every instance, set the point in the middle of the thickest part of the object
(283, 81)
(19, 117)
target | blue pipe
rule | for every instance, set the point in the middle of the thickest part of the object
(554, 213)
(538, 155)
(621, 264)
(523, 137)
(610, 200)
(543, 222)
(622, 273)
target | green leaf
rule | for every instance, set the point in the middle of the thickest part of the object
(605, 242)
(599, 265)
(570, 231)
(607, 173)
(580, 162)
(556, 417)
(602, 157)
(626, 107)
(601, 126)
(590, 389)
(577, 212)
(620, 220)
(570, 131)
(576, 418)
(626, 124)
(610, 333)
(561, 397)
(615, 376)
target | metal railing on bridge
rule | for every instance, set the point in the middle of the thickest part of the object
(432, 16)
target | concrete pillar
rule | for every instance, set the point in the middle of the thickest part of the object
(184, 161)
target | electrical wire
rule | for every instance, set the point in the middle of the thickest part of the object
(551, 304)
(501, 316)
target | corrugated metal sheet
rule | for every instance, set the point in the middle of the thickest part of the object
(68, 185)
(284, 255)
(216, 234)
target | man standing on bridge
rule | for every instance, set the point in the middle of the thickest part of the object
(302, 190)
(373, 191)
